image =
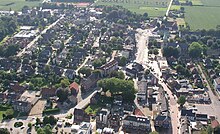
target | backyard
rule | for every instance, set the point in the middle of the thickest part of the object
(17, 4)
(138, 7)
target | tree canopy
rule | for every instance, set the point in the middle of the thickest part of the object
(170, 51)
(195, 50)
(181, 100)
(118, 86)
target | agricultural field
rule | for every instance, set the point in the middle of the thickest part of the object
(203, 17)
(17, 4)
(141, 6)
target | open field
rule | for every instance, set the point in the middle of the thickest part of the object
(17, 4)
(139, 7)
(203, 17)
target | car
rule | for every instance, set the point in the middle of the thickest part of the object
(22, 127)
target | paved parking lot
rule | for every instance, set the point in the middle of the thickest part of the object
(208, 109)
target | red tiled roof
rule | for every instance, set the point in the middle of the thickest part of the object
(138, 112)
(74, 86)
(214, 123)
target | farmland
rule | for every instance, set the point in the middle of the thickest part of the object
(203, 17)
(17, 4)
(139, 7)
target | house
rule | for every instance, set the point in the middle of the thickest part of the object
(16, 87)
(2, 97)
(131, 72)
(185, 126)
(27, 100)
(83, 128)
(188, 113)
(138, 112)
(136, 123)
(48, 92)
(22, 106)
(95, 98)
(109, 67)
(80, 116)
(214, 124)
(74, 88)
(69, 73)
(102, 118)
(90, 82)
(142, 90)
(163, 121)
(202, 117)
(115, 121)
(217, 84)
(207, 63)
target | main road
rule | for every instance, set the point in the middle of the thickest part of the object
(142, 57)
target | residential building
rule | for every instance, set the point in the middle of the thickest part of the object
(163, 121)
(102, 118)
(27, 100)
(90, 82)
(136, 123)
(80, 116)
(188, 113)
(74, 88)
(48, 92)
(185, 126)
(109, 67)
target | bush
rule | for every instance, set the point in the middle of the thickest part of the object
(51, 111)
(18, 124)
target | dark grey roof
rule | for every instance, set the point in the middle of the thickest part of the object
(162, 118)
(137, 119)
(185, 112)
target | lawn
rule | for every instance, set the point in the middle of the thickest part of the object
(17, 4)
(92, 109)
(203, 17)
(3, 111)
(139, 7)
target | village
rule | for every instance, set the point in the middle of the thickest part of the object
(107, 70)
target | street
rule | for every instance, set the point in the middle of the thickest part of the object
(36, 38)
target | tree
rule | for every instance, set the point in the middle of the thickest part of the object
(209, 129)
(117, 74)
(65, 82)
(170, 51)
(195, 50)
(181, 100)
(155, 51)
(118, 86)
(47, 129)
(4, 131)
(122, 61)
(62, 94)
(154, 132)
(29, 125)
(38, 121)
(49, 120)
(85, 71)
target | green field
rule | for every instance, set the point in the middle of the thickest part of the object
(139, 8)
(203, 17)
(17, 4)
